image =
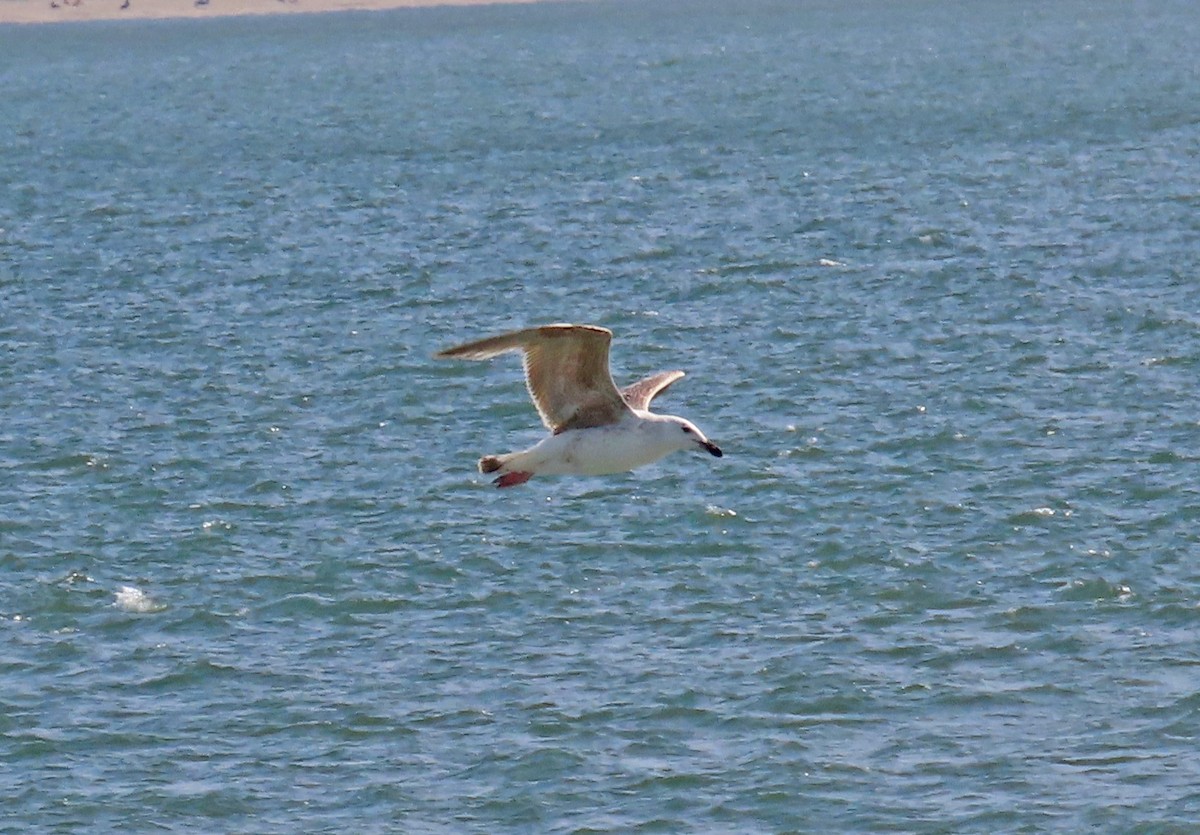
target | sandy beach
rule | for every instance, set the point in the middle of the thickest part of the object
(61, 11)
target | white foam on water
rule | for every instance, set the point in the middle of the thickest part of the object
(133, 599)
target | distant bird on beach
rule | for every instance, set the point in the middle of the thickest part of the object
(125, 5)
(595, 428)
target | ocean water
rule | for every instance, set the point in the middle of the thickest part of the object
(930, 267)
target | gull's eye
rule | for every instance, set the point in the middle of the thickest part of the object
(687, 430)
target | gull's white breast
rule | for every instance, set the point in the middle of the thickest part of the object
(602, 450)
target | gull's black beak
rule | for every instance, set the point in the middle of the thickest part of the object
(713, 449)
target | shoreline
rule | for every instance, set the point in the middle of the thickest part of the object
(77, 11)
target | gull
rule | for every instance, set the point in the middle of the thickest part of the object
(595, 429)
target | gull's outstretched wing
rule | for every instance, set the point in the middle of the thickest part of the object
(639, 395)
(566, 370)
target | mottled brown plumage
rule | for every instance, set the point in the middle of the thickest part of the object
(566, 371)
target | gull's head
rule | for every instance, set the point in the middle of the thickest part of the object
(683, 434)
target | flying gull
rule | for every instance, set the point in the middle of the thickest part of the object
(595, 428)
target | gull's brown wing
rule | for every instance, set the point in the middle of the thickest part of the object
(566, 370)
(639, 395)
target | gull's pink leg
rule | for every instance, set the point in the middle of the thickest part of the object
(512, 479)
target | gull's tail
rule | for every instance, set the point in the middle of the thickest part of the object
(491, 463)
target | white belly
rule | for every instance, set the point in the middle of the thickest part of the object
(599, 451)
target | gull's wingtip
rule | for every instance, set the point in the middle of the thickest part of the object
(449, 353)
(519, 340)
